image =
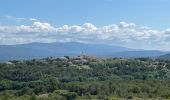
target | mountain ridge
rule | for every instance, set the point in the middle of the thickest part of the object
(40, 50)
(166, 56)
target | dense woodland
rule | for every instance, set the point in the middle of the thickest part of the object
(84, 77)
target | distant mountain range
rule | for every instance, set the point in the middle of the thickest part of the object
(40, 50)
(165, 56)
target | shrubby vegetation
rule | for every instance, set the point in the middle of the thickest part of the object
(85, 77)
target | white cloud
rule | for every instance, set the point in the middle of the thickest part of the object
(15, 18)
(36, 27)
(88, 27)
(33, 19)
(109, 29)
(166, 35)
(126, 25)
(123, 33)
(167, 32)
(18, 19)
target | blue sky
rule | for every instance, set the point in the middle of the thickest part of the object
(98, 20)
(154, 13)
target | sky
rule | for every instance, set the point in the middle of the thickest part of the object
(141, 24)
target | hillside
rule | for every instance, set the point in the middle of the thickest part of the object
(85, 77)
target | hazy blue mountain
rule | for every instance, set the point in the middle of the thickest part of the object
(39, 50)
(140, 53)
(166, 56)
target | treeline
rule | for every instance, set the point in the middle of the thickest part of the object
(85, 78)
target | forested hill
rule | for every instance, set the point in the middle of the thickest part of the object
(84, 77)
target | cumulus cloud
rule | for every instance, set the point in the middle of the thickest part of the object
(123, 33)
(127, 25)
(86, 28)
(36, 27)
